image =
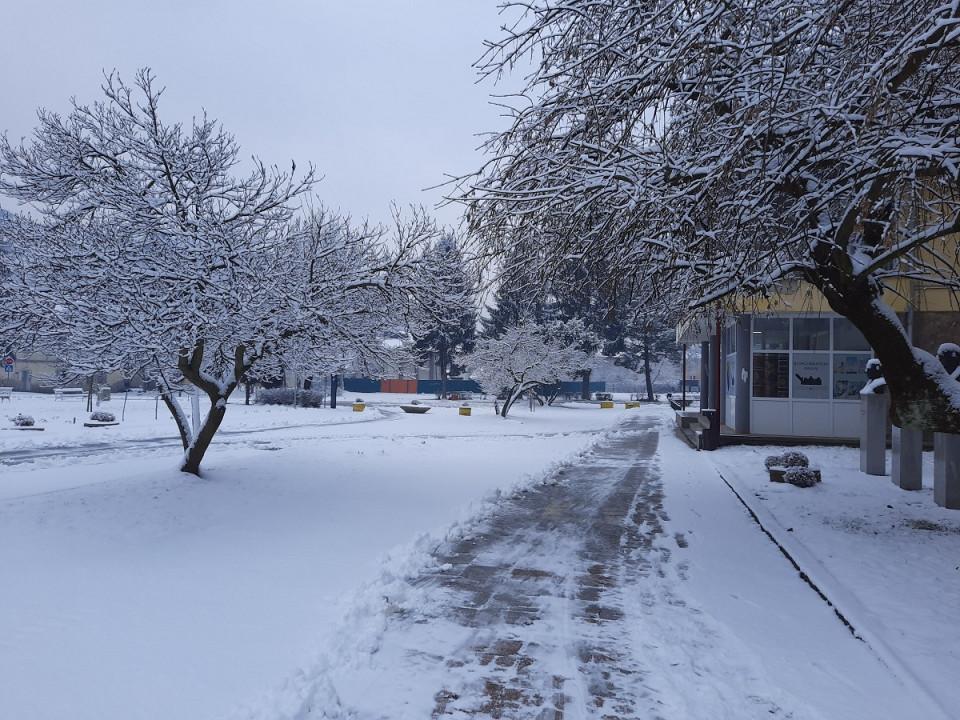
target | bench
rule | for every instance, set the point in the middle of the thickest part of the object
(6, 393)
(60, 393)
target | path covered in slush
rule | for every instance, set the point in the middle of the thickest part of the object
(583, 598)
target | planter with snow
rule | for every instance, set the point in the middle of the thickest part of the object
(415, 408)
(24, 422)
(101, 418)
(792, 467)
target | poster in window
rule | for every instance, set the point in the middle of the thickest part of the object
(811, 376)
(849, 375)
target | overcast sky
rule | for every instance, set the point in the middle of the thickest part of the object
(379, 95)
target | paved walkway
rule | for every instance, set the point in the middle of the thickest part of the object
(581, 599)
(506, 586)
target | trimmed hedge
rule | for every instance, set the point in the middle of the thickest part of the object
(286, 396)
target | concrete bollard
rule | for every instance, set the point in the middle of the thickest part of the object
(946, 470)
(907, 470)
(874, 414)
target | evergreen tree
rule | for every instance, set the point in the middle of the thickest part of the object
(450, 330)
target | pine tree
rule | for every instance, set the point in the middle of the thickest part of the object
(450, 330)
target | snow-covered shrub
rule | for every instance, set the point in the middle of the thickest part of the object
(103, 416)
(802, 476)
(287, 396)
(792, 458)
(772, 461)
(22, 420)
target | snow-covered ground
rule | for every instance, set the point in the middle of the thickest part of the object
(704, 616)
(888, 558)
(132, 591)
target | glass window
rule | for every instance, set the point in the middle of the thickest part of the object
(771, 334)
(730, 339)
(811, 334)
(811, 376)
(849, 375)
(771, 375)
(847, 337)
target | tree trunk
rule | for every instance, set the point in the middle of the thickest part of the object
(920, 388)
(646, 365)
(246, 393)
(508, 403)
(176, 412)
(444, 371)
(196, 450)
(333, 391)
(585, 385)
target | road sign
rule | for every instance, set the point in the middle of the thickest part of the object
(8, 363)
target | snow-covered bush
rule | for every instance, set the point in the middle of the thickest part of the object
(287, 396)
(772, 461)
(793, 458)
(802, 476)
(22, 420)
(103, 416)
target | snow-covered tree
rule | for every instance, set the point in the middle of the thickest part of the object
(524, 359)
(709, 149)
(649, 339)
(147, 253)
(450, 329)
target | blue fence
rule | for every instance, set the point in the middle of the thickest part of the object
(361, 385)
(432, 387)
(573, 387)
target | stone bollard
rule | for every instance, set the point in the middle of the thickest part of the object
(874, 412)
(907, 469)
(946, 470)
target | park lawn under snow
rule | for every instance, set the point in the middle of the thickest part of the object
(133, 591)
(143, 418)
(888, 558)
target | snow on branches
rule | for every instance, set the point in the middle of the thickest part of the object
(526, 358)
(148, 254)
(704, 149)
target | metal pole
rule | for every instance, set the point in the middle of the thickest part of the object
(717, 384)
(683, 401)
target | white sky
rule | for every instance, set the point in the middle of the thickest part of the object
(379, 94)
